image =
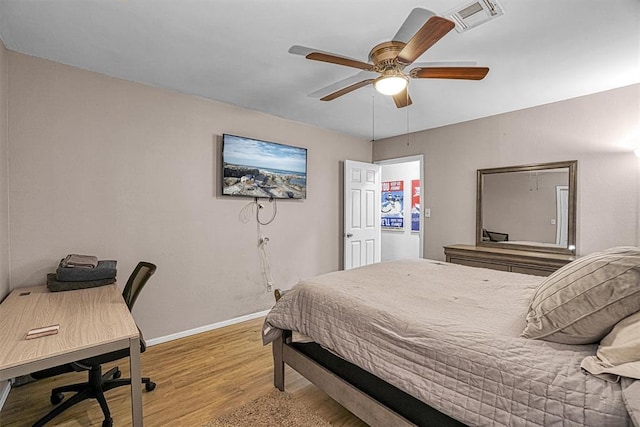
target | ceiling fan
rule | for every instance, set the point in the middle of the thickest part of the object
(388, 60)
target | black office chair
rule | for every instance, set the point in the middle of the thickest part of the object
(99, 383)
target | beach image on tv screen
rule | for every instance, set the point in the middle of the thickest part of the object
(263, 169)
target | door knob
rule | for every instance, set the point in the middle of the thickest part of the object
(348, 235)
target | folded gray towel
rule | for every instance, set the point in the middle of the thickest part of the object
(55, 285)
(80, 261)
(105, 269)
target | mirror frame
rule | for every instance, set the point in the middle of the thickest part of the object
(571, 232)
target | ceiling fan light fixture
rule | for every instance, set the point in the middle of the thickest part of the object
(391, 84)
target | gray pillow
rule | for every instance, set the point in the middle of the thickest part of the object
(582, 301)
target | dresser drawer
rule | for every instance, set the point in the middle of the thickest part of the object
(479, 264)
(525, 262)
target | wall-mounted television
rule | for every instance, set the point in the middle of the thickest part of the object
(255, 168)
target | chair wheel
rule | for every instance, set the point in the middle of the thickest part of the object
(108, 422)
(150, 386)
(117, 374)
(57, 398)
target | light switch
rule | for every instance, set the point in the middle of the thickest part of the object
(553, 221)
(427, 213)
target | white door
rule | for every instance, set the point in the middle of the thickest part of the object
(361, 214)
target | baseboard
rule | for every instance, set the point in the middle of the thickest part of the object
(5, 388)
(206, 328)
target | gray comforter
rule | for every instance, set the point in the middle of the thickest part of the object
(449, 336)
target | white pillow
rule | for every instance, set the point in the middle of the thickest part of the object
(583, 300)
(619, 352)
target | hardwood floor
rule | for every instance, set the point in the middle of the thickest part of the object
(199, 378)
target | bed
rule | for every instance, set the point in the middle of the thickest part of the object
(421, 342)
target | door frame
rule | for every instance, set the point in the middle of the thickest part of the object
(419, 158)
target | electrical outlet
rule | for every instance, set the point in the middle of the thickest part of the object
(269, 286)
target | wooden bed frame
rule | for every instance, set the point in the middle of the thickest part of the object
(357, 401)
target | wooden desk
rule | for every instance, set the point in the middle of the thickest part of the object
(92, 322)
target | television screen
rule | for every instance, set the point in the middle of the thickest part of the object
(255, 168)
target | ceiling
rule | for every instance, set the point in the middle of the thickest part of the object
(236, 51)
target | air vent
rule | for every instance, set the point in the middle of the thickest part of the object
(470, 15)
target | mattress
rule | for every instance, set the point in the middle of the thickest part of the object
(449, 335)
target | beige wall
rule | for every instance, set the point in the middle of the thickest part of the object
(4, 183)
(594, 130)
(125, 171)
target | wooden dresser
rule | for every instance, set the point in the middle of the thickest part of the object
(517, 261)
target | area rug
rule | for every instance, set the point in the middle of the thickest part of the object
(273, 409)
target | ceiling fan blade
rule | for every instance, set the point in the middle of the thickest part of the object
(346, 90)
(402, 99)
(302, 50)
(432, 31)
(333, 59)
(416, 19)
(362, 75)
(319, 55)
(464, 73)
(442, 64)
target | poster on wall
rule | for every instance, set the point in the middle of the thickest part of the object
(392, 205)
(415, 205)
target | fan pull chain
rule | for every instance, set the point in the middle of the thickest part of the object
(373, 114)
(407, 108)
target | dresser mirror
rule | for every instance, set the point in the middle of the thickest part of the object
(531, 207)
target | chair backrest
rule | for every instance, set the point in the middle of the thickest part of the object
(136, 282)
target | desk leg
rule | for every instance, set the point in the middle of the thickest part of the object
(136, 381)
